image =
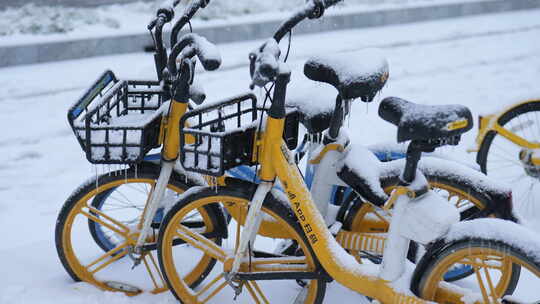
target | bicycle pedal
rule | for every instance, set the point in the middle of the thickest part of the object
(119, 286)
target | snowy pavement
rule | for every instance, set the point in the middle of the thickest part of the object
(32, 23)
(484, 62)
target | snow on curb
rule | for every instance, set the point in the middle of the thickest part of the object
(31, 53)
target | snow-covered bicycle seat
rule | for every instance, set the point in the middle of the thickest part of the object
(356, 75)
(425, 122)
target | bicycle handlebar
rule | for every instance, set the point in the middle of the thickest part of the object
(264, 63)
(164, 15)
(313, 9)
(189, 12)
(191, 45)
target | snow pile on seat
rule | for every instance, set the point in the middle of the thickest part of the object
(354, 66)
(313, 98)
(310, 97)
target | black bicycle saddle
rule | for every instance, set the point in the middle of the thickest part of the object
(423, 122)
(359, 75)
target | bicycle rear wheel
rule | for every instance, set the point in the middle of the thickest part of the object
(264, 276)
(493, 262)
(367, 218)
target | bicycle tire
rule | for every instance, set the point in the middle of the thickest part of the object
(427, 277)
(238, 196)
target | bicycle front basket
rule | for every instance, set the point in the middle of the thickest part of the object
(219, 137)
(118, 121)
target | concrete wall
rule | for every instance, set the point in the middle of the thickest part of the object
(14, 3)
(65, 50)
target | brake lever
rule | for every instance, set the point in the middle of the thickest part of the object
(152, 24)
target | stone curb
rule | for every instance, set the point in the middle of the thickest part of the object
(84, 48)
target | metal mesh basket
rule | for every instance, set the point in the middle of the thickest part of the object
(118, 121)
(218, 137)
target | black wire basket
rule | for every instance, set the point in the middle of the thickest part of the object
(218, 137)
(118, 121)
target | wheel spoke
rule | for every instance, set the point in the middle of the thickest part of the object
(260, 292)
(479, 264)
(255, 292)
(116, 208)
(120, 228)
(215, 291)
(118, 191)
(121, 253)
(480, 281)
(156, 269)
(139, 190)
(200, 242)
(490, 285)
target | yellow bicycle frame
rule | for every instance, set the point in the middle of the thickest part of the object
(277, 161)
(490, 123)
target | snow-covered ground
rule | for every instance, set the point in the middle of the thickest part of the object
(31, 23)
(484, 62)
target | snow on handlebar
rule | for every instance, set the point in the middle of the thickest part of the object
(189, 12)
(313, 9)
(264, 63)
(206, 51)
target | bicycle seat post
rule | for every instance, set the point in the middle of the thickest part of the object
(336, 122)
(414, 153)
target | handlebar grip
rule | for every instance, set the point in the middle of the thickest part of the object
(167, 12)
(206, 51)
(264, 63)
(312, 9)
(189, 12)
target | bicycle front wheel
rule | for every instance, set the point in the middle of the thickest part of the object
(264, 276)
(493, 263)
(97, 229)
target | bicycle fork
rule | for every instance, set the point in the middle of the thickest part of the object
(153, 205)
(251, 226)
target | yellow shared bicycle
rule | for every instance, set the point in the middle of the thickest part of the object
(105, 232)
(250, 270)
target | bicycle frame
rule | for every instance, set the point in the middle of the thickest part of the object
(490, 123)
(373, 281)
(277, 161)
